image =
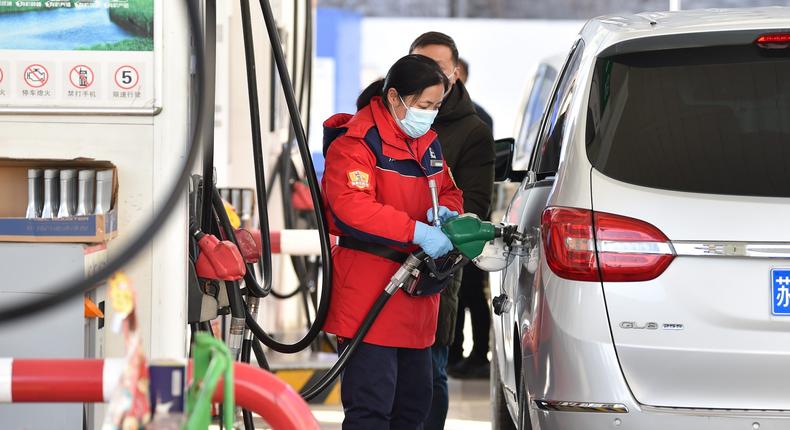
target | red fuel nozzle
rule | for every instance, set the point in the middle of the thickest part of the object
(219, 260)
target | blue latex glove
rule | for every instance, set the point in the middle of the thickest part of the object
(432, 240)
(444, 214)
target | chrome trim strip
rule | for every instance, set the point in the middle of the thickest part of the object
(617, 247)
(152, 111)
(565, 406)
(713, 412)
(732, 249)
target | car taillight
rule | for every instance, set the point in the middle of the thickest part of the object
(629, 249)
(569, 243)
(586, 246)
(774, 41)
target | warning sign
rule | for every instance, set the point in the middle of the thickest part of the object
(36, 76)
(127, 77)
(81, 77)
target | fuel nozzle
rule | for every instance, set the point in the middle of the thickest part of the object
(437, 222)
(510, 234)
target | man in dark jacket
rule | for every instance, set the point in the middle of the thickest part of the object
(468, 148)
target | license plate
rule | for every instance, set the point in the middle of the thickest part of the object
(780, 292)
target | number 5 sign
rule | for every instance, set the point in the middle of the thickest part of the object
(127, 77)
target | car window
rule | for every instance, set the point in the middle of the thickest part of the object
(546, 158)
(533, 111)
(712, 120)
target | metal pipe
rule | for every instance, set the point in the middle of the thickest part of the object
(93, 381)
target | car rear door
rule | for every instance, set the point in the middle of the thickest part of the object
(695, 143)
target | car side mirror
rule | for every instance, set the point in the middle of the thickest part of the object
(504, 158)
(503, 166)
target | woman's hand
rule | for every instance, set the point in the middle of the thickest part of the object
(432, 240)
(444, 214)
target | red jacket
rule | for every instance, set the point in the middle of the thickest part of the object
(375, 188)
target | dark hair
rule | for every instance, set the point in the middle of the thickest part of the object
(435, 38)
(410, 75)
(463, 68)
(372, 90)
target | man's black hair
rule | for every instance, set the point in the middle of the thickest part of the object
(435, 38)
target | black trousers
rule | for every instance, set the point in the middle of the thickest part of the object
(472, 296)
(386, 388)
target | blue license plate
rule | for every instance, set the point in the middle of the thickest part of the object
(780, 292)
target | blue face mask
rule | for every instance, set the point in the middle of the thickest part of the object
(417, 121)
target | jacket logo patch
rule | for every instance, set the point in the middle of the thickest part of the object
(433, 154)
(359, 179)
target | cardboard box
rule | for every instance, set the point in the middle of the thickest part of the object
(14, 227)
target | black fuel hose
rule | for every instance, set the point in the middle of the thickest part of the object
(320, 385)
(307, 77)
(246, 350)
(82, 284)
(259, 355)
(301, 139)
(283, 169)
(210, 41)
(257, 144)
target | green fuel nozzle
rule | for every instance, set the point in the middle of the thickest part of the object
(469, 234)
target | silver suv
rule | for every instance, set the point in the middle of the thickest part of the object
(656, 291)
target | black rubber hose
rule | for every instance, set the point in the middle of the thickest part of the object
(285, 171)
(82, 284)
(210, 40)
(246, 349)
(235, 299)
(310, 393)
(294, 64)
(257, 145)
(315, 193)
(227, 230)
(260, 356)
(307, 77)
(320, 385)
(289, 294)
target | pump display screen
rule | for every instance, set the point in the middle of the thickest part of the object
(77, 53)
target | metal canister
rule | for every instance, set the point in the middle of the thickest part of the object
(68, 193)
(167, 386)
(35, 193)
(85, 192)
(225, 194)
(51, 195)
(235, 199)
(103, 191)
(247, 200)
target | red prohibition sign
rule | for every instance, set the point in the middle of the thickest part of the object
(1, 75)
(81, 76)
(127, 77)
(36, 76)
